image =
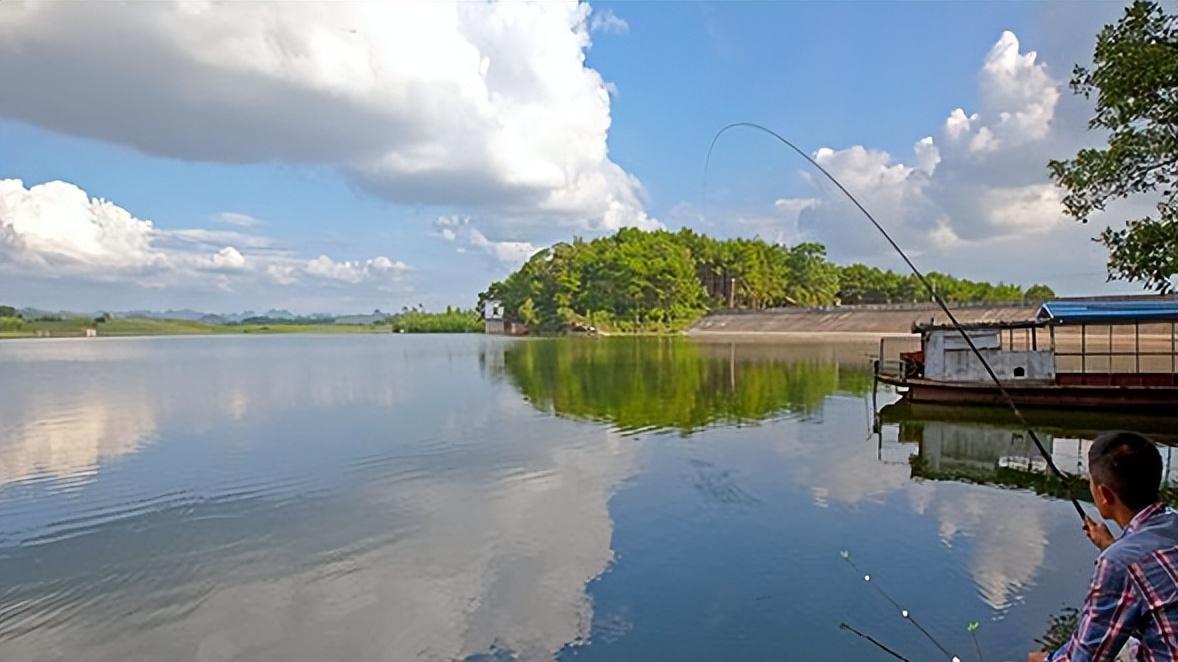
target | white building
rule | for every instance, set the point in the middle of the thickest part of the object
(493, 317)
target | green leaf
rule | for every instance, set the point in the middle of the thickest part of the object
(1134, 77)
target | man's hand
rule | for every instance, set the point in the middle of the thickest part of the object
(1098, 533)
(1037, 657)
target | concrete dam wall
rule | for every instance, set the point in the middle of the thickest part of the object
(873, 319)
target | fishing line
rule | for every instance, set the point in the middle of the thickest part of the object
(904, 613)
(932, 292)
(844, 626)
(972, 629)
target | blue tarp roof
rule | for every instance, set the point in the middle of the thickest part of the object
(1109, 312)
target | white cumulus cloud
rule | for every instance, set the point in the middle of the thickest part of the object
(196, 238)
(983, 181)
(958, 123)
(792, 207)
(57, 225)
(237, 219)
(57, 230)
(927, 155)
(488, 105)
(508, 252)
(458, 229)
(1019, 89)
(355, 271)
(604, 20)
(227, 259)
(1036, 207)
(1018, 100)
(281, 274)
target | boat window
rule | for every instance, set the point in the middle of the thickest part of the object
(1020, 372)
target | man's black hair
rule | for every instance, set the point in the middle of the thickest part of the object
(1128, 464)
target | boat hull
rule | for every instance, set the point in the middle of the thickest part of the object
(1154, 399)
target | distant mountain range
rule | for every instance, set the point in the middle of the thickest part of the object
(190, 315)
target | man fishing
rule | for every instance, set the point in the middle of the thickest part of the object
(1134, 589)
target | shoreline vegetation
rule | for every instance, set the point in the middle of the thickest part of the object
(17, 324)
(663, 282)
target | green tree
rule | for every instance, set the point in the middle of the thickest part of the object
(1134, 76)
(454, 320)
(527, 312)
(859, 283)
(812, 279)
(1038, 293)
(8, 311)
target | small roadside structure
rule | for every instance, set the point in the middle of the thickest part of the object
(90, 332)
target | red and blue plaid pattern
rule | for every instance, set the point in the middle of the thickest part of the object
(1134, 593)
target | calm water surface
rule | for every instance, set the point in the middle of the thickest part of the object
(309, 498)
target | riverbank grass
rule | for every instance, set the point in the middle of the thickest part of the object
(74, 327)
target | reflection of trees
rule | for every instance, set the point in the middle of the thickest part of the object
(672, 382)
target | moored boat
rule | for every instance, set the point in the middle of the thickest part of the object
(1109, 354)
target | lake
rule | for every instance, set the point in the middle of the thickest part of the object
(392, 497)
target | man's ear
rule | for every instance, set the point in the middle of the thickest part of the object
(1107, 496)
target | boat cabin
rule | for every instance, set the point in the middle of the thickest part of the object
(948, 357)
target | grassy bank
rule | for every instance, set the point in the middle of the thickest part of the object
(453, 320)
(74, 327)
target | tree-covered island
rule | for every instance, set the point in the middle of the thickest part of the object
(636, 281)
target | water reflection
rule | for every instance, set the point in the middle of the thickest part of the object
(292, 499)
(681, 384)
(67, 440)
(443, 498)
(989, 447)
(70, 406)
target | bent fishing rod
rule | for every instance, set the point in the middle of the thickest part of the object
(1006, 397)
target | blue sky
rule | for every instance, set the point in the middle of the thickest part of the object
(341, 158)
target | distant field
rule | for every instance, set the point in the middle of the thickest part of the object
(76, 327)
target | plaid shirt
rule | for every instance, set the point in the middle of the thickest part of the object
(1134, 592)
